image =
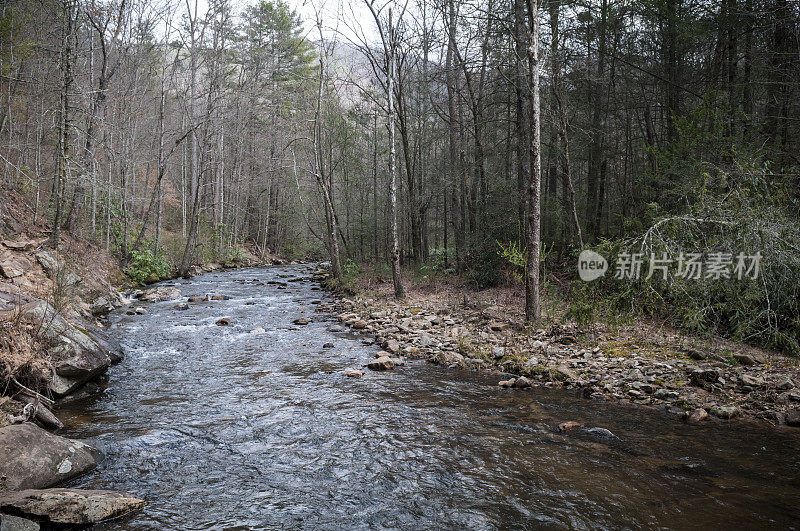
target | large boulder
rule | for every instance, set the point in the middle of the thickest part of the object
(79, 353)
(70, 506)
(56, 270)
(34, 458)
(13, 265)
(161, 293)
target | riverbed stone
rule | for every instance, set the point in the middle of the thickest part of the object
(353, 373)
(704, 377)
(225, 321)
(725, 412)
(34, 458)
(70, 506)
(220, 297)
(698, 415)
(198, 298)
(161, 293)
(569, 425)
(392, 346)
(384, 363)
(507, 383)
(522, 382)
(302, 321)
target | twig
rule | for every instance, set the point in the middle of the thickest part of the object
(44, 400)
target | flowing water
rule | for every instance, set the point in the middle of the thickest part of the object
(221, 428)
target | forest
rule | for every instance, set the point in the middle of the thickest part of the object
(475, 139)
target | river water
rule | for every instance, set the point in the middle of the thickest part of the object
(221, 428)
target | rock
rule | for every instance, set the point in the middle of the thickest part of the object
(793, 417)
(21, 245)
(497, 326)
(426, 341)
(644, 387)
(34, 458)
(563, 373)
(664, 394)
(139, 310)
(359, 325)
(392, 346)
(602, 433)
(745, 359)
(15, 523)
(182, 306)
(696, 354)
(507, 383)
(13, 265)
(327, 345)
(784, 384)
(353, 373)
(498, 352)
(698, 415)
(56, 269)
(198, 298)
(70, 506)
(703, 377)
(11, 297)
(225, 321)
(101, 306)
(522, 382)
(161, 293)
(751, 381)
(219, 298)
(257, 331)
(384, 363)
(301, 321)
(79, 354)
(570, 425)
(398, 362)
(725, 412)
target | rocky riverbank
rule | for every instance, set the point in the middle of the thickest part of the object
(700, 381)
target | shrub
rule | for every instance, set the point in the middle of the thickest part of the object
(146, 267)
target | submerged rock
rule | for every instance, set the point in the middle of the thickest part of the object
(219, 298)
(34, 458)
(70, 506)
(569, 425)
(353, 373)
(301, 321)
(198, 298)
(225, 321)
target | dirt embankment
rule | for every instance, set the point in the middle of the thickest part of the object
(642, 363)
